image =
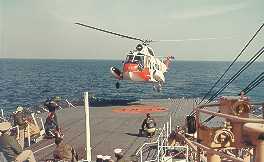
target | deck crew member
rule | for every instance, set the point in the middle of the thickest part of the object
(20, 120)
(52, 105)
(64, 151)
(119, 155)
(10, 148)
(149, 125)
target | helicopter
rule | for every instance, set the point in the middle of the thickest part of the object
(140, 64)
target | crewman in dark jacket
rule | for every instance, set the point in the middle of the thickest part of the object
(20, 120)
(52, 105)
(10, 148)
(149, 125)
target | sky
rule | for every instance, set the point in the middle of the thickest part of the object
(45, 29)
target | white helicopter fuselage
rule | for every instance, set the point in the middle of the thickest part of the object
(142, 66)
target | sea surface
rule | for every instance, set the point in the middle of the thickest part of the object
(28, 82)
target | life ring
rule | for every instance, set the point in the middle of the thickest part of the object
(223, 136)
(240, 107)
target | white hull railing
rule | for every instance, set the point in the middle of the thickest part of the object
(162, 145)
(42, 129)
(2, 113)
(160, 140)
(69, 104)
(182, 149)
(2, 117)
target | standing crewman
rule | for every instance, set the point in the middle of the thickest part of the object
(149, 125)
(20, 121)
(52, 105)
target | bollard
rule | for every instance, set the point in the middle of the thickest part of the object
(28, 133)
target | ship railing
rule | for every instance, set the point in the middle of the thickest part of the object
(69, 104)
(37, 120)
(160, 140)
(167, 152)
(2, 117)
(163, 148)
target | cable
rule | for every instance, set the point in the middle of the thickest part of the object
(251, 86)
(252, 60)
(254, 83)
(231, 64)
(245, 66)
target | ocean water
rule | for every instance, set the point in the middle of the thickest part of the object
(29, 82)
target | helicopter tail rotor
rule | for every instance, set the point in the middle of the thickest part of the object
(189, 39)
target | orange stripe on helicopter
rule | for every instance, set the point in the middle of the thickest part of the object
(132, 67)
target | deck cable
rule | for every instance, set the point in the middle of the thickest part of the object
(252, 60)
(242, 69)
(252, 38)
(254, 83)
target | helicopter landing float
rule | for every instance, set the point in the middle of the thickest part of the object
(140, 65)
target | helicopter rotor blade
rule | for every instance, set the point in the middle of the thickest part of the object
(110, 32)
(189, 39)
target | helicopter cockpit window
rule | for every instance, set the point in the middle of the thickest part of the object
(129, 58)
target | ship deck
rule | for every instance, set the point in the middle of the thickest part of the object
(110, 130)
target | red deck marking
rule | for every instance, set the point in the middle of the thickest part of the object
(140, 109)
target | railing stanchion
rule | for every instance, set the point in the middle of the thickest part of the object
(2, 113)
(42, 124)
(87, 119)
(34, 119)
(141, 155)
(28, 133)
(187, 158)
(158, 148)
(170, 123)
(167, 130)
